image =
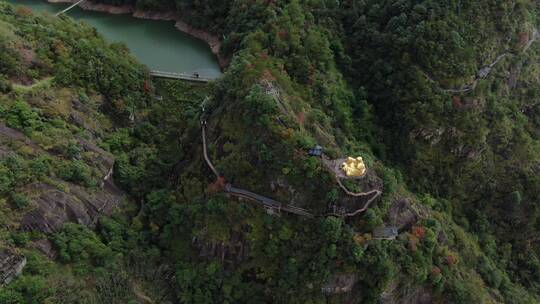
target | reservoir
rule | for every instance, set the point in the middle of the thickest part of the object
(158, 44)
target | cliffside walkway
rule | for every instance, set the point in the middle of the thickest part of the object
(373, 193)
(180, 76)
(266, 202)
(70, 7)
(485, 70)
(273, 205)
(205, 150)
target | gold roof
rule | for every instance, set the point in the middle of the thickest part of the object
(354, 167)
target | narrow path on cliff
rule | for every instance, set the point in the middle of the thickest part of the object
(21, 88)
(483, 72)
(273, 205)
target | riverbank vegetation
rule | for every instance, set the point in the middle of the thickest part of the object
(370, 78)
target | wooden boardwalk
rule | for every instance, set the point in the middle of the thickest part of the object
(273, 205)
(265, 201)
(205, 150)
(180, 76)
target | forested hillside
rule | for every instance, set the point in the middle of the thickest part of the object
(107, 197)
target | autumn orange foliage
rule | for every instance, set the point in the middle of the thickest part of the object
(451, 260)
(419, 232)
(218, 185)
(23, 11)
(413, 242)
(301, 118)
(523, 39)
(435, 271)
(456, 102)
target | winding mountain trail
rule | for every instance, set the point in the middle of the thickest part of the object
(267, 203)
(484, 71)
(205, 151)
(275, 206)
(21, 88)
(481, 74)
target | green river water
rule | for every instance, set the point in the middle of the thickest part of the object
(155, 43)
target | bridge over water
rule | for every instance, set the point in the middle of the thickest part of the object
(70, 7)
(195, 77)
(181, 76)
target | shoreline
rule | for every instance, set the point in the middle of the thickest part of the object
(211, 40)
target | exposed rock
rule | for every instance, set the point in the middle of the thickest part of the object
(418, 295)
(340, 283)
(151, 15)
(212, 40)
(235, 249)
(54, 207)
(385, 232)
(28, 56)
(5, 152)
(103, 158)
(433, 136)
(76, 119)
(348, 204)
(441, 237)
(45, 247)
(402, 214)
(283, 188)
(11, 265)
(14, 135)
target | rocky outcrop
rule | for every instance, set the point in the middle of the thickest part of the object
(11, 265)
(420, 295)
(55, 207)
(235, 249)
(340, 283)
(212, 40)
(417, 295)
(58, 202)
(102, 159)
(371, 185)
(9, 136)
(402, 214)
(153, 15)
(44, 246)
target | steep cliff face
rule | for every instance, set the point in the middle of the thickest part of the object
(368, 78)
(52, 208)
(55, 170)
(50, 202)
(11, 266)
